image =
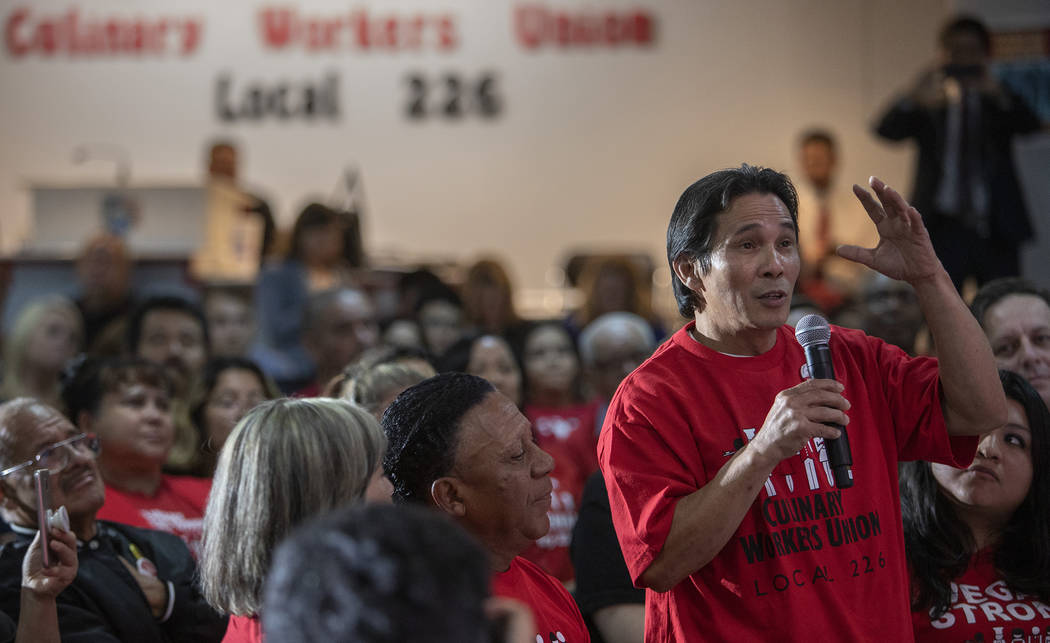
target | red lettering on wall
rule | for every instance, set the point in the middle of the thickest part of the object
(536, 25)
(284, 27)
(27, 33)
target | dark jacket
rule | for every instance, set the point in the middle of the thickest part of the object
(105, 603)
(1001, 119)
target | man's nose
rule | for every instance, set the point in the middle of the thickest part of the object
(772, 262)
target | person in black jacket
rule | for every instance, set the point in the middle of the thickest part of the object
(132, 584)
(964, 121)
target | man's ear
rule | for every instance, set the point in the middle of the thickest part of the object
(6, 502)
(445, 493)
(688, 271)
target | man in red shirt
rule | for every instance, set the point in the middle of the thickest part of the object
(461, 447)
(713, 450)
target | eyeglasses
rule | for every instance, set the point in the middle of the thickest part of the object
(56, 457)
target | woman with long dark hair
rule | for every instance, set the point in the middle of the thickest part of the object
(977, 538)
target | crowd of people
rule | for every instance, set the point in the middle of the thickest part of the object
(346, 454)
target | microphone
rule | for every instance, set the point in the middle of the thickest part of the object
(814, 333)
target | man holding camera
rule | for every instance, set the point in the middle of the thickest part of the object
(963, 121)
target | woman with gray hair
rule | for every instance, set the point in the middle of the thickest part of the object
(286, 461)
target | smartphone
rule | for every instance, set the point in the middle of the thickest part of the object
(42, 477)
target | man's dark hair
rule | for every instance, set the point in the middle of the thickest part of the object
(966, 24)
(378, 574)
(997, 289)
(695, 218)
(87, 381)
(422, 428)
(939, 545)
(176, 303)
(818, 135)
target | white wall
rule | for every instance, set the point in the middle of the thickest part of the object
(593, 148)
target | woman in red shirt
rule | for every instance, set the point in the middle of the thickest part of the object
(976, 538)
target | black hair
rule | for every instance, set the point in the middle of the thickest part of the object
(378, 574)
(422, 428)
(695, 218)
(176, 303)
(817, 135)
(312, 216)
(456, 357)
(89, 380)
(966, 24)
(939, 545)
(991, 292)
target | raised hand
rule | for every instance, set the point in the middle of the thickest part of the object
(904, 251)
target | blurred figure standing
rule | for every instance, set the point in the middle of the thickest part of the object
(964, 121)
(827, 217)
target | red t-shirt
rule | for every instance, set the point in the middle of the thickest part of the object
(807, 560)
(567, 434)
(243, 629)
(557, 617)
(984, 609)
(177, 508)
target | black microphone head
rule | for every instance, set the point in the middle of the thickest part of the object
(811, 330)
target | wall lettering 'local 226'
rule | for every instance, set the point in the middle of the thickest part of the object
(444, 94)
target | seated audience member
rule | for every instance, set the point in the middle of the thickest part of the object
(315, 263)
(126, 402)
(614, 284)
(612, 607)
(229, 388)
(38, 610)
(564, 427)
(231, 320)
(1015, 315)
(171, 331)
(47, 333)
(440, 319)
(611, 347)
(889, 310)
(374, 386)
(286, 461)
(131, 584)
(378, 574)
(403, 333)
(488, 301)
(103, 273)
(461, 447)
(976, 538)
(489, 357)
(339, 326)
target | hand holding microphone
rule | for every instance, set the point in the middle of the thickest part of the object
(814, 334)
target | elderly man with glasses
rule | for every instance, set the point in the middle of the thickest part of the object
(132, 584)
